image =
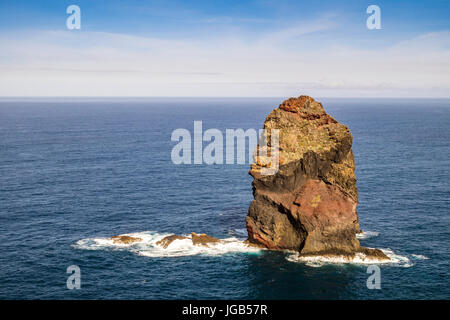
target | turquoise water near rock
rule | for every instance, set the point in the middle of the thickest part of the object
(87, 169)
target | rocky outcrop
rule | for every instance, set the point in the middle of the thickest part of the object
(309, 205)
(201, 239)
(166, 241)
(125, 239)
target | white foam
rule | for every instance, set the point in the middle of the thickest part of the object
(367, 234)
(419, 257)
(182, 247)
(359, 258)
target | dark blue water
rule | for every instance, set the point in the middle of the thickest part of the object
(72, 170)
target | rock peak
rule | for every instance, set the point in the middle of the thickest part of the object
(304, 126)
(296, 104)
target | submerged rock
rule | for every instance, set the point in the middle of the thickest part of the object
(166, 241)
(203, 239)
(309, 205)
(125, 239)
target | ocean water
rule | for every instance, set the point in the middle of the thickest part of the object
(75, 172)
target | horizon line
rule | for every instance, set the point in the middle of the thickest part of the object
(217, 97)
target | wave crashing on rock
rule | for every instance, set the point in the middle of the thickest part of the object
(155, 244)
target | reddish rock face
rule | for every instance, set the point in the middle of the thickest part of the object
(309, 205)
(295, 104)
(327, 215)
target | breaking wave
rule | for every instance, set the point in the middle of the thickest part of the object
(367, 234)
(358, 258)
(184, 247)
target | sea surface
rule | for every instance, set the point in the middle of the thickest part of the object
(74, 172)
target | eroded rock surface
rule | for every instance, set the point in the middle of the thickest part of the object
(125, 239)
(203, 239)
(309, 205)
(166, 241)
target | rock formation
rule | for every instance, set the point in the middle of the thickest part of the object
(125, 239)
(309, 205)
(201, 239)
(166, 241)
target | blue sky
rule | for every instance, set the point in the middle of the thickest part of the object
(225, 48)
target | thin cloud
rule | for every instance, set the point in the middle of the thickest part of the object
(293, 32)
(109, 64)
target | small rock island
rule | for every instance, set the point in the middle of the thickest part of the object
(309, 205)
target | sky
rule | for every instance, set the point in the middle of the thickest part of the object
(225, 49)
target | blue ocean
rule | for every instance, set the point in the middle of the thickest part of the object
(74, 172)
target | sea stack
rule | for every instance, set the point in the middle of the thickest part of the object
(309, 205)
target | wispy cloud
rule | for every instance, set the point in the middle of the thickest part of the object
(295, 32)
(272, 63)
